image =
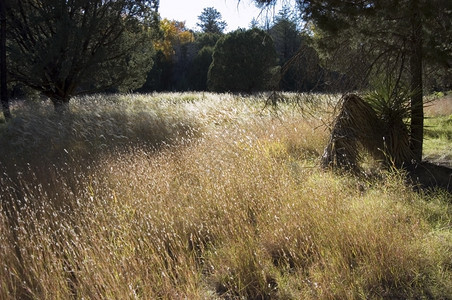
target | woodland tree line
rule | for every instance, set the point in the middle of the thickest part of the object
(70, 47)
(246, 60)
(170, 57)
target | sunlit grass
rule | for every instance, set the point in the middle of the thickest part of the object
(438, 131)
(211, 197)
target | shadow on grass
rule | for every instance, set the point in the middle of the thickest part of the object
(427, 175)
(93, 127)
(438, 133)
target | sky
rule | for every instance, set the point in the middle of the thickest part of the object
(236, 16)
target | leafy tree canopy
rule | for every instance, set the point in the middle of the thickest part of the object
(243, 61)
(174, 33)
(62, 48)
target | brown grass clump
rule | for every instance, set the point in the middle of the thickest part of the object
(238, 211)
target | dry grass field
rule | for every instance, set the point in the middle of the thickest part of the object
(206, 196)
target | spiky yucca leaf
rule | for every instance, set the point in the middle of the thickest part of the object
(391, 102)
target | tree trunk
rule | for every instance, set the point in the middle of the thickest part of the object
(60, 100)
(61, 106)
(4, 89)
(417, 106)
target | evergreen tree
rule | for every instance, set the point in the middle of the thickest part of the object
(206, 39)
(243, 61)
(159, 78)
(197, 74)
(199, 66)
(300, 65)
(287, 41)
(285, 35)
(210, 21)
(254, 24)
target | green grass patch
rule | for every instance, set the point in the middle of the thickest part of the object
(438, 139)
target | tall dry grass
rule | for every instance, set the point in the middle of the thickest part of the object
(231, 204)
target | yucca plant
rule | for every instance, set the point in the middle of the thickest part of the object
(391, 102)
(356, 125)
(376, 123)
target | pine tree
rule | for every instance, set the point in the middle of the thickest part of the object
(236, 67)
(210, 21)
